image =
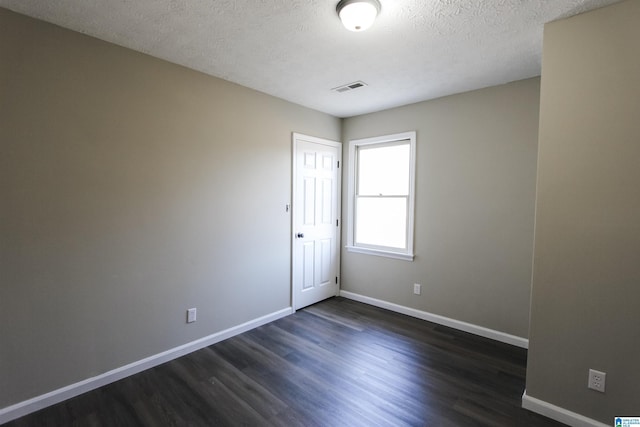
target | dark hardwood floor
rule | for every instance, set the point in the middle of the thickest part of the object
(337, 363)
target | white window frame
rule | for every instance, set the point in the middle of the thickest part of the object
(407, 255)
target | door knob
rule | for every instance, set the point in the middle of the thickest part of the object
(300, 235)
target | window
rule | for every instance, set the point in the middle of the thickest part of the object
(381, 193)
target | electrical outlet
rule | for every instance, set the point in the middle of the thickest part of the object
(191, 315)
(596, 380)
(417, 288)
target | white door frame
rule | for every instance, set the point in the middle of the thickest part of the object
(336, 144)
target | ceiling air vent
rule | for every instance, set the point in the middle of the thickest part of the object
(348, 87)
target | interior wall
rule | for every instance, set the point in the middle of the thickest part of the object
(131, 189)
(587, 240)
(475, 193)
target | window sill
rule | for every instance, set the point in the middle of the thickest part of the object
(378, 252)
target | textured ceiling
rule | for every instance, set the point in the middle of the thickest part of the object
(298, 50)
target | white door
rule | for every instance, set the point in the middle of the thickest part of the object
(316, 222)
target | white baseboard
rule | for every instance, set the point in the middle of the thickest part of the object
(441, 320)
(56, 396)
(557, 413)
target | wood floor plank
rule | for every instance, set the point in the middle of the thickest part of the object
(336, 363)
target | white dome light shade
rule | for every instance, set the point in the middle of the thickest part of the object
(358, 15)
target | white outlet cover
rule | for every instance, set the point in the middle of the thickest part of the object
(597, 380)
(191, 315)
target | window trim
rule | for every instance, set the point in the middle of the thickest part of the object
(407, 255)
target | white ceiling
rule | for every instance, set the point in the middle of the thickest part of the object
(298, 50)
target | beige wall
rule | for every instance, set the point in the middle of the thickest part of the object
(586, 283)
(475, 191)
(130, 190)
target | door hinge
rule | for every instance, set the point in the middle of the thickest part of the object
(338, 164)
(337, 223)
(336, 280)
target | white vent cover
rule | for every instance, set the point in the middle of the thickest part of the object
(350, 86)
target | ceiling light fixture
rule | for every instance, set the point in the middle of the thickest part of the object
(358, 15)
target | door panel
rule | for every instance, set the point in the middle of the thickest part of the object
(309, 201)
(308, 257)
(325, 261)
(316, 230)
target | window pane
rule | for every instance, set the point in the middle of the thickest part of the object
(383, 170)
(381, 221)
